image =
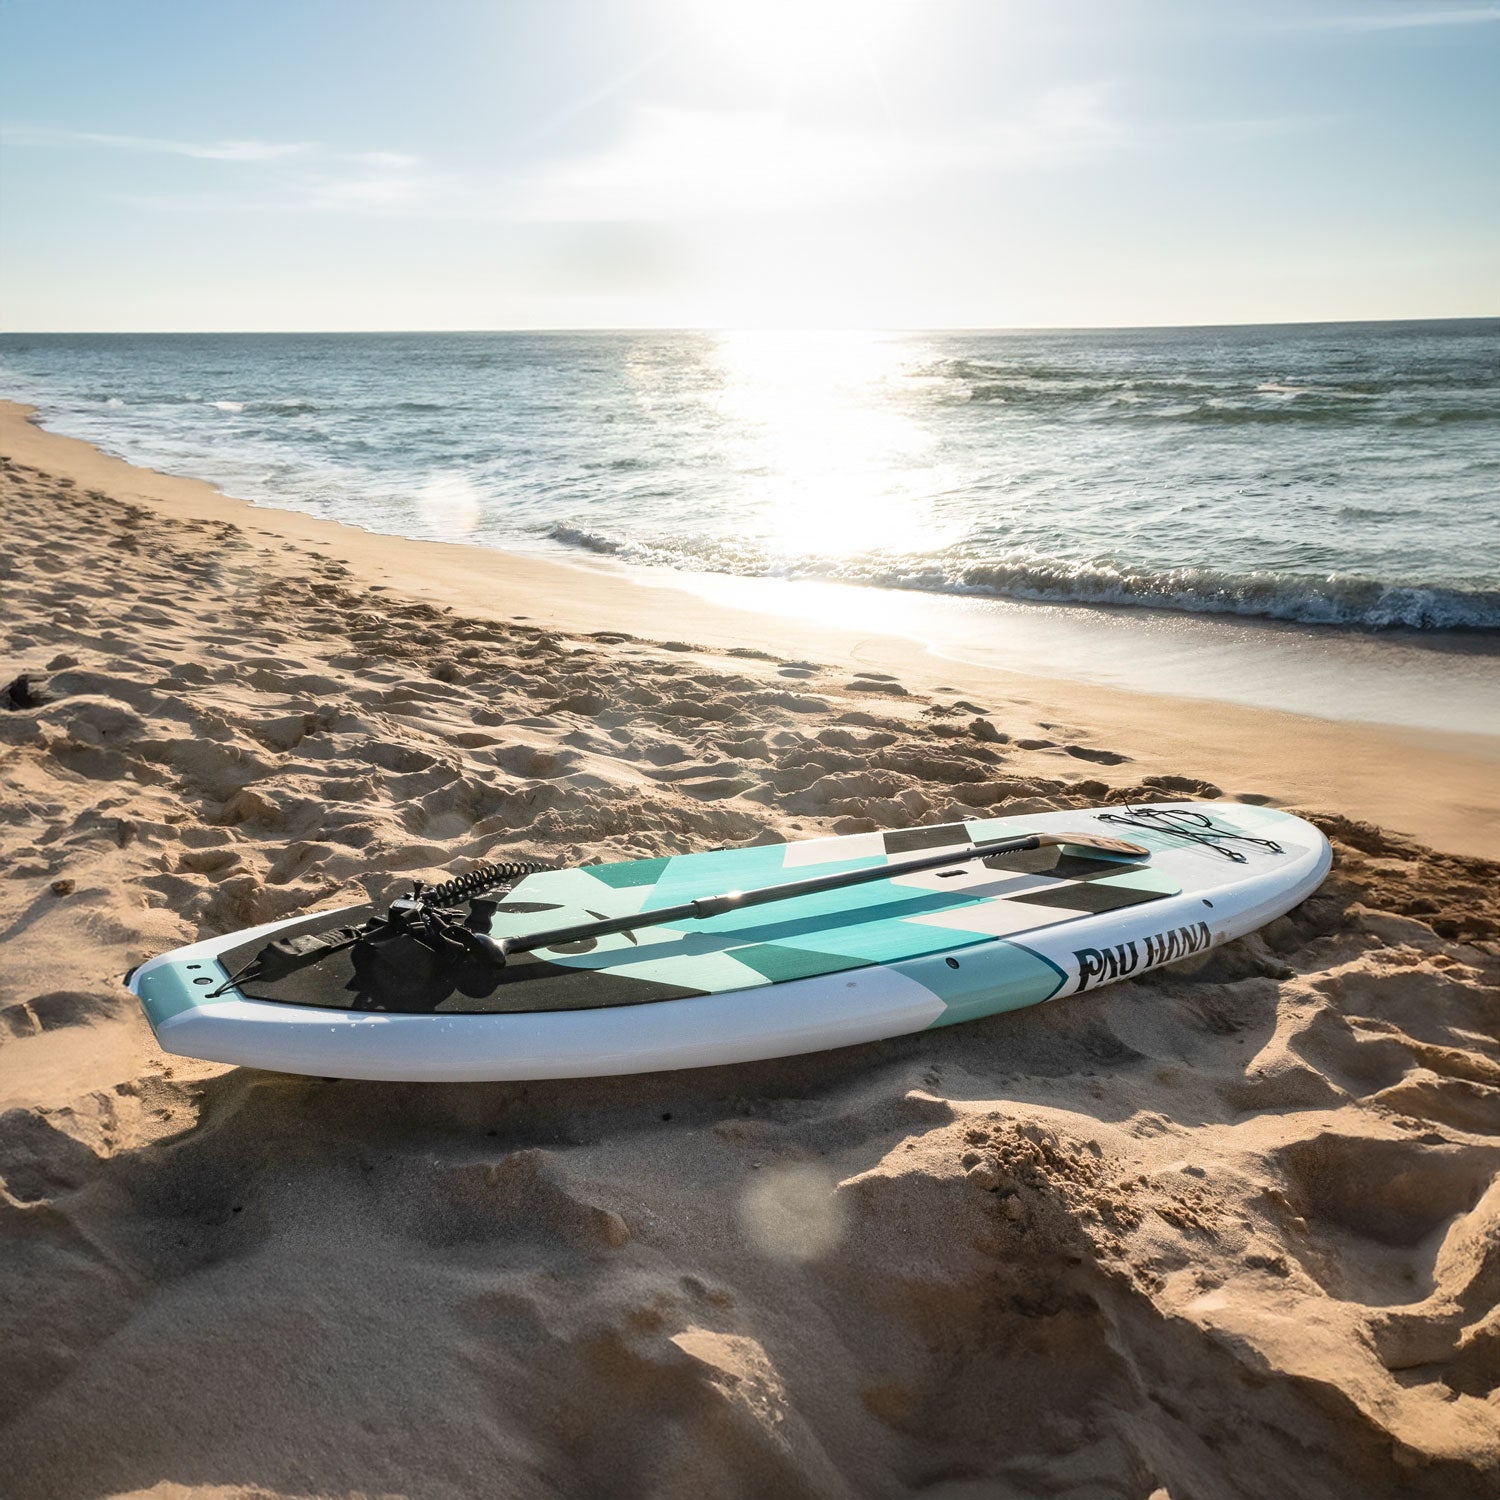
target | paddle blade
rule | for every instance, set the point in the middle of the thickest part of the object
(1100, 843)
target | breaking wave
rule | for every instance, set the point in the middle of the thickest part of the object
(1426, 398)
(1360, 603)
(1352, 603)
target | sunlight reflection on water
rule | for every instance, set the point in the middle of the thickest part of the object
(831, 461)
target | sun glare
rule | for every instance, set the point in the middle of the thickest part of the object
(832, 465)
(803, 36)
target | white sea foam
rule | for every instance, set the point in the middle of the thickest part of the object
(1359, 603)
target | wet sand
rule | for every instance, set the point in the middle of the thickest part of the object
(1229, 1230)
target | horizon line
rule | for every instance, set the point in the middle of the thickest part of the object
(628, 328)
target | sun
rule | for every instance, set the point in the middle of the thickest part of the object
(789, 37)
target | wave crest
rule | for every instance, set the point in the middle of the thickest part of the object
(1352, 603)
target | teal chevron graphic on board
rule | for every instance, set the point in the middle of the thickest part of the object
(986, 981)
(884, 923)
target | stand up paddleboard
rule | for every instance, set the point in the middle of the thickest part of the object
(512, 972)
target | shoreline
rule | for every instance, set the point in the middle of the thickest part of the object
(1445, 683)
(1441, 788)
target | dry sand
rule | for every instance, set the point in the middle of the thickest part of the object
(1232, 1231)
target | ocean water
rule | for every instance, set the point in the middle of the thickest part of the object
(1334, 474)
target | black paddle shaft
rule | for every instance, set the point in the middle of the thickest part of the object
(712, 906)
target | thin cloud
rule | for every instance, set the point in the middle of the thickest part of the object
(247, 151)
(238, 151)
(1397, 20)
(666, 164)
(672, 163)
(390, 188)
(293, 176)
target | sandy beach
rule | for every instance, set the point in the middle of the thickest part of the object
(1228, 1230)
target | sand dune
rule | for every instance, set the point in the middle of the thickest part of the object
(1227, 1231)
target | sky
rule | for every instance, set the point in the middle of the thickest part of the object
(432, 164)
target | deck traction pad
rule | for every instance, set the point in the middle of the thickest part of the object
(746, 949)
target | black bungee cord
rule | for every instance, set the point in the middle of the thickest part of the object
(1184, 823)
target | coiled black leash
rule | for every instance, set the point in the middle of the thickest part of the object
(483, 877)
(1184, 823)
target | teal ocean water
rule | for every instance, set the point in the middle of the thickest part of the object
(1333, 474)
